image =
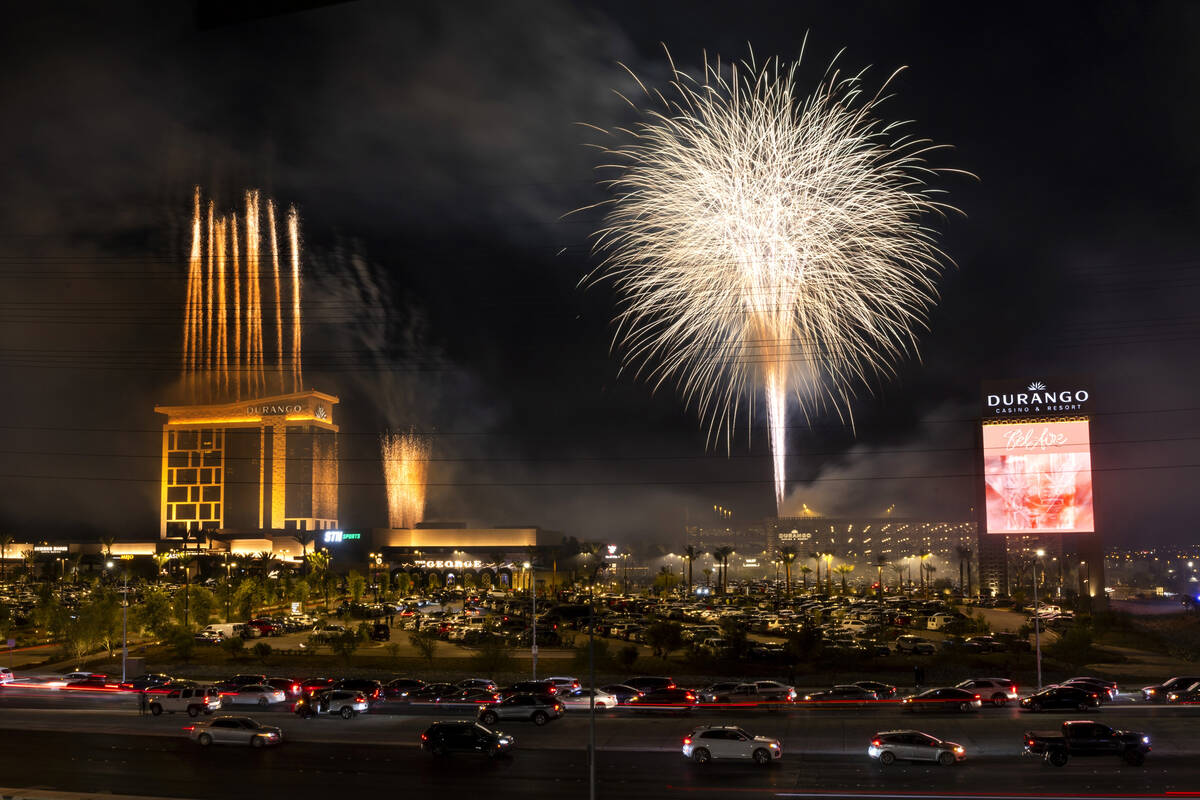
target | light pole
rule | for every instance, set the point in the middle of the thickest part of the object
(1037, 626)
(533, 616)
(124, 620)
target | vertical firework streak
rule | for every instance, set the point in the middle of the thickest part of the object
(237, 309)
(406, 472)
(195, 267)
(294, 241)
(214, 271)
(767, 243)
(222, 310)
(278, 301)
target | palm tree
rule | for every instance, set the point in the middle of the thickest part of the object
(690, 555)
(816, 557)
(107, 542)
(928, 569)
(964, 558)
(6, 541)
(789, 555)
(722, 555)
(804, 570)
(304, 538)
(844, 570)
(924, 554)
(160, 560)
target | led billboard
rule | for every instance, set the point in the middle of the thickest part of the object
(1039, 477)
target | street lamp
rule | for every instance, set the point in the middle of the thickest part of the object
(1037, 627)
(124, 620)
(228, 586)
(533, 616)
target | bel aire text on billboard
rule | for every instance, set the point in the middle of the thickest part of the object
(1039, 477)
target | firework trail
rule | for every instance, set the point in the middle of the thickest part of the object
(214, 272)
(767, 244)
(406, 471)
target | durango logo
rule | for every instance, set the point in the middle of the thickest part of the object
(1037, 399)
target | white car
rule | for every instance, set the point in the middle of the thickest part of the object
(580, 699)
(891, 746)
(233, 730)
(6, 675)
(730, 743)
(195, 700)
(254, 695)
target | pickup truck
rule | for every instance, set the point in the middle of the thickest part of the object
(1085, 738)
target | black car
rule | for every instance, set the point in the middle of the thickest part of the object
(622, 692)
(311, 686)
(547, 688)
(850, 694)
(238, 681)
(288, 686)
(464, 736)
(1159, 693)
(1061, 698)
(372, 690)
(1103, 693)
(666, 698)
(883, 691)
(650, 683)
(1188, 696)
(401, 688)
(949, 698)
(430, 692)
(149, 681)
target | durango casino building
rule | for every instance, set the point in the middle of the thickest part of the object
(250, 452)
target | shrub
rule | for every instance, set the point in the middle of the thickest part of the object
(261, 650)
(627, 656)
(234, 645)
(492, 657)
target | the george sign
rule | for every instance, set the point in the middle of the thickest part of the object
(447, 564)
(1036, 398)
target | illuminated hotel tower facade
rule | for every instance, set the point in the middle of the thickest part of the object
(268, 464)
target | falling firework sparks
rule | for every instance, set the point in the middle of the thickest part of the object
(763, 242)
(214, 272)
(406, 471)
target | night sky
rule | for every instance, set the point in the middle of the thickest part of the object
(434, 152)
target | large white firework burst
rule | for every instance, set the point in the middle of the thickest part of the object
(767, 243)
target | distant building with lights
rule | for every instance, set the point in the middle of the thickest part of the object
(250, 467)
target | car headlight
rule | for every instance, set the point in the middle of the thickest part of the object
(774, 746)
(958, 749)
(1172, 697)
(1145, 740)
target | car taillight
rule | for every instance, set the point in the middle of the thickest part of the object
(976, 697)
(690, 696)
(189, 727)
(687, 740)
(876, 742)
(424, 737)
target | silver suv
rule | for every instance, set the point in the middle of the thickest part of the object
(537, 709)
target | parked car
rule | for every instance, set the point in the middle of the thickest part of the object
(1061, 698)
(997, 691)
(730, 743)
(887, 747)
(463, 736)
(944, 699)
(538, 709)
(1084, 738)
(914, 645)
(233, 730)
